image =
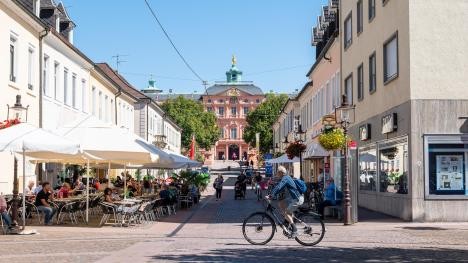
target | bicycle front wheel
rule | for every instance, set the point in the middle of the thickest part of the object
(310, 229)
(258, 228)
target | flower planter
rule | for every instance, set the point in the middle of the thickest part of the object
(332, 139)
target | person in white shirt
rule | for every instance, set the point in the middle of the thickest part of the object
(29, 188)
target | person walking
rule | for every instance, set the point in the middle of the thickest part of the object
(218, 185)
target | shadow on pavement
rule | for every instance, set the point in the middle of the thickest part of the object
(318, 254)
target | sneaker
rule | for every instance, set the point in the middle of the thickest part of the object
(294, 234)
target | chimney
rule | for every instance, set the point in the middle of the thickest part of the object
(70, 36)
(37, 7)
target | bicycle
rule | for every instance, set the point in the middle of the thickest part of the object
(311, 228)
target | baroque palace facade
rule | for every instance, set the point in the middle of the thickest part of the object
(231, 101)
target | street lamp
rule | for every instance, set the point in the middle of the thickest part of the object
(344, 115)
(300, 137)
(17, 111)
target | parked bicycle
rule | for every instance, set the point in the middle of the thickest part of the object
(260, 227)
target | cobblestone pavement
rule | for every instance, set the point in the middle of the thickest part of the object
(211, 232)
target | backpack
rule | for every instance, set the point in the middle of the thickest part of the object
(300, 186)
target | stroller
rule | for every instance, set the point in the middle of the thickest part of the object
(239, 190)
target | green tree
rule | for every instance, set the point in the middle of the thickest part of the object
(193, 120)
(261, 120)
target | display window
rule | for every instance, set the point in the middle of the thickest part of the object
(446, 167)
(383, 166)
(368, 169)
(393, 168)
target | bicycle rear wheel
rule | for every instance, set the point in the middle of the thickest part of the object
(258, 228)
(310, 229)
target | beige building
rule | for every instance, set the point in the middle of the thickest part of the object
(319, 97)
(404, 67)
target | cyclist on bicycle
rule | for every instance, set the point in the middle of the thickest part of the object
(292, 198)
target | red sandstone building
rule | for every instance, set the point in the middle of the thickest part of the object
(231, 101)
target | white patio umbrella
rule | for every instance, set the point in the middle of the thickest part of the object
(283, 159)
(112, 145)
(179, 161)
(29, 140)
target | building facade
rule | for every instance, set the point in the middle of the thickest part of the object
(231, 101)
(19, 75)
(319, 97)
(402, 66)
(59, 84)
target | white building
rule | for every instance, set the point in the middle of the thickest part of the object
(20, 47)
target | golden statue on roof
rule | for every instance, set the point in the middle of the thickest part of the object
(234, 60)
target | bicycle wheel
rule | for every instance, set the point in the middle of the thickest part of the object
(310, 229)
(258, 228)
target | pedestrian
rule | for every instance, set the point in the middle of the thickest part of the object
(4, 212)
(223, 158)
(218, 185)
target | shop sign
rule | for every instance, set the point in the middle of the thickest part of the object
(389, 123)
(352, 145)
(365, 132)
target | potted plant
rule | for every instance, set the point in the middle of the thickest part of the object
(332, 139)
(295, 149)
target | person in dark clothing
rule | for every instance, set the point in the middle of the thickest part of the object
(42, 203)
(218, 185)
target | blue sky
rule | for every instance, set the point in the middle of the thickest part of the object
(265, 35)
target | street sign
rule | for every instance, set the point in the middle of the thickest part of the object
(352, 145)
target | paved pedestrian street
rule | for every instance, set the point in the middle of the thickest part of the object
(211, 232)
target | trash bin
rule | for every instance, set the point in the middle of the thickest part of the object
(229, 168)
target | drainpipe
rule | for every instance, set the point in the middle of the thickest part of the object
(116, 95)
(42, 34)
(147, 119)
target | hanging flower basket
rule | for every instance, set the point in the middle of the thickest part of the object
(295, 149)
(332, 139)
(8, 123)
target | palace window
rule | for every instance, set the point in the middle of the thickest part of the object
(233, 133)
(233, 111)
(221, 111)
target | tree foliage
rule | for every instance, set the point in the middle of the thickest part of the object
(192, 118)
(262, 119)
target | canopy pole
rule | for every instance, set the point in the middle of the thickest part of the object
(24, 194)
(108, 172)
(87, 192)
(125, 181)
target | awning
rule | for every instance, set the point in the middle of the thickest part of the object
(314, 150)
(283, 159)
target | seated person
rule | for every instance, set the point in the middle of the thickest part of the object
(66, 191)
(331, 198)
(5, 215)
(78, 185)
(42, 203)
(165, 194)
(96, 184)
(108, 195)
